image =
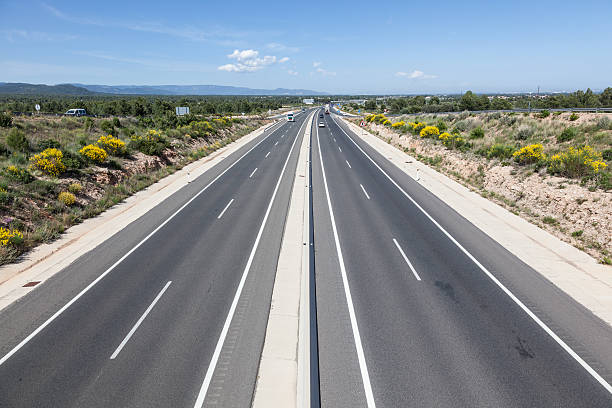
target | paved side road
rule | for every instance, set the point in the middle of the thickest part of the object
(407, 314)
(169, 312)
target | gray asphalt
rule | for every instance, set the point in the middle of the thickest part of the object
(453, 339)
(164, 363)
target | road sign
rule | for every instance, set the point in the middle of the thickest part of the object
(182, 110)
(362, 123)
(37, 107)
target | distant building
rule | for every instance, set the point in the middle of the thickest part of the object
(308, 101)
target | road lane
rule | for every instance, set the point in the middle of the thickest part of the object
(454, 339)
(163, 364)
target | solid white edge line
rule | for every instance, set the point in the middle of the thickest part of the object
(365, 376)
(144, 315)
(226, 207)
(516, 300)
(253, 172)
(348, 164)
(230, 315)
(113, 266)
(267, 154)
(364, 191)
(416, 275)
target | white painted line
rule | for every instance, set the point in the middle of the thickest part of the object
(144, 315)
(334, 139)
(416, 275)
(340, 149)
(230, 315)
(348, 164)
(365, 192)
(225, 209)
(276, 143)
(253, 172)
(507, 291)
(365, 376)
(113, 266)
(267, 155)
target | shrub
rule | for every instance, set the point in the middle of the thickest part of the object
(604, 123)
(577, 233)
(88, 123)
(73, 160)
(523, 132)
(18, 174)
(549, 220)
(112, 145)
(6, 120)
(48, 144)
(93, 153)
(441, 125)
(430, 131)
(477, 133)
(500, 151)
(17, 141)
(544, 114)
(66, 198)
(607, 154)
(151, 143)
(568, 134)
(116, 123)
(416, 127)
(10, 237)
(451, 140)
(529, 154)
(398, 124)
(107, 127)
(574, 116)
(75, 188)
(49, 161)
(577, 162)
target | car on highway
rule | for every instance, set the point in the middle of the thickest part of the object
(321, 115)
(75, 112)
(321, 124)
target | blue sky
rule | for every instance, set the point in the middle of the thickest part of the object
(333, 46)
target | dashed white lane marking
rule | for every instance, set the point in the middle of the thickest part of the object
(267, 154)
(365, 192)
(225, 209)
(416, 275)
(253, 172)
(348, 164)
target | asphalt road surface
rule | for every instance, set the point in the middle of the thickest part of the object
(155, 330)
(408, 318)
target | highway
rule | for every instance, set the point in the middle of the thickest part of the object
(415, 306)
(169, 312)
(418, 308)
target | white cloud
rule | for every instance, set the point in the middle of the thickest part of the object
(291, 72)
(16, 35)
(249, 61)
(284, 59)
(416, 74)
(322, 70)
(316, 64)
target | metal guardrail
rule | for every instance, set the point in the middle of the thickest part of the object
(519, 110)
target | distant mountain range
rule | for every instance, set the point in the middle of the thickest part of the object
(83, 89)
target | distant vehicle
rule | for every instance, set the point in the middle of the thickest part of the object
(327, 109)
(321, 124)
(290, 117)
(321, 115)
(75, 112)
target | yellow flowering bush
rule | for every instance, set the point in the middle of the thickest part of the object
(577, 162)
(416, 127)
(152, 142)
(451, 140)
(66, 198)
(75, 188)
(398, 124)
(112, 145)
(93, 153)
(18, 174)
(386, 122)
(10, 237)
(49, 161)
(430, 131)
(529, 154)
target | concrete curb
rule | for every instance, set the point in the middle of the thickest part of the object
(46, 260)
(283, 377)
(571, 270)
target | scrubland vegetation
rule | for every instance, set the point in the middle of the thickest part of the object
(56, 172)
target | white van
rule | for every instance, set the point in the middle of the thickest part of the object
(75, 112)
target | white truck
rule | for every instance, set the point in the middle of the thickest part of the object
(290, 117)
